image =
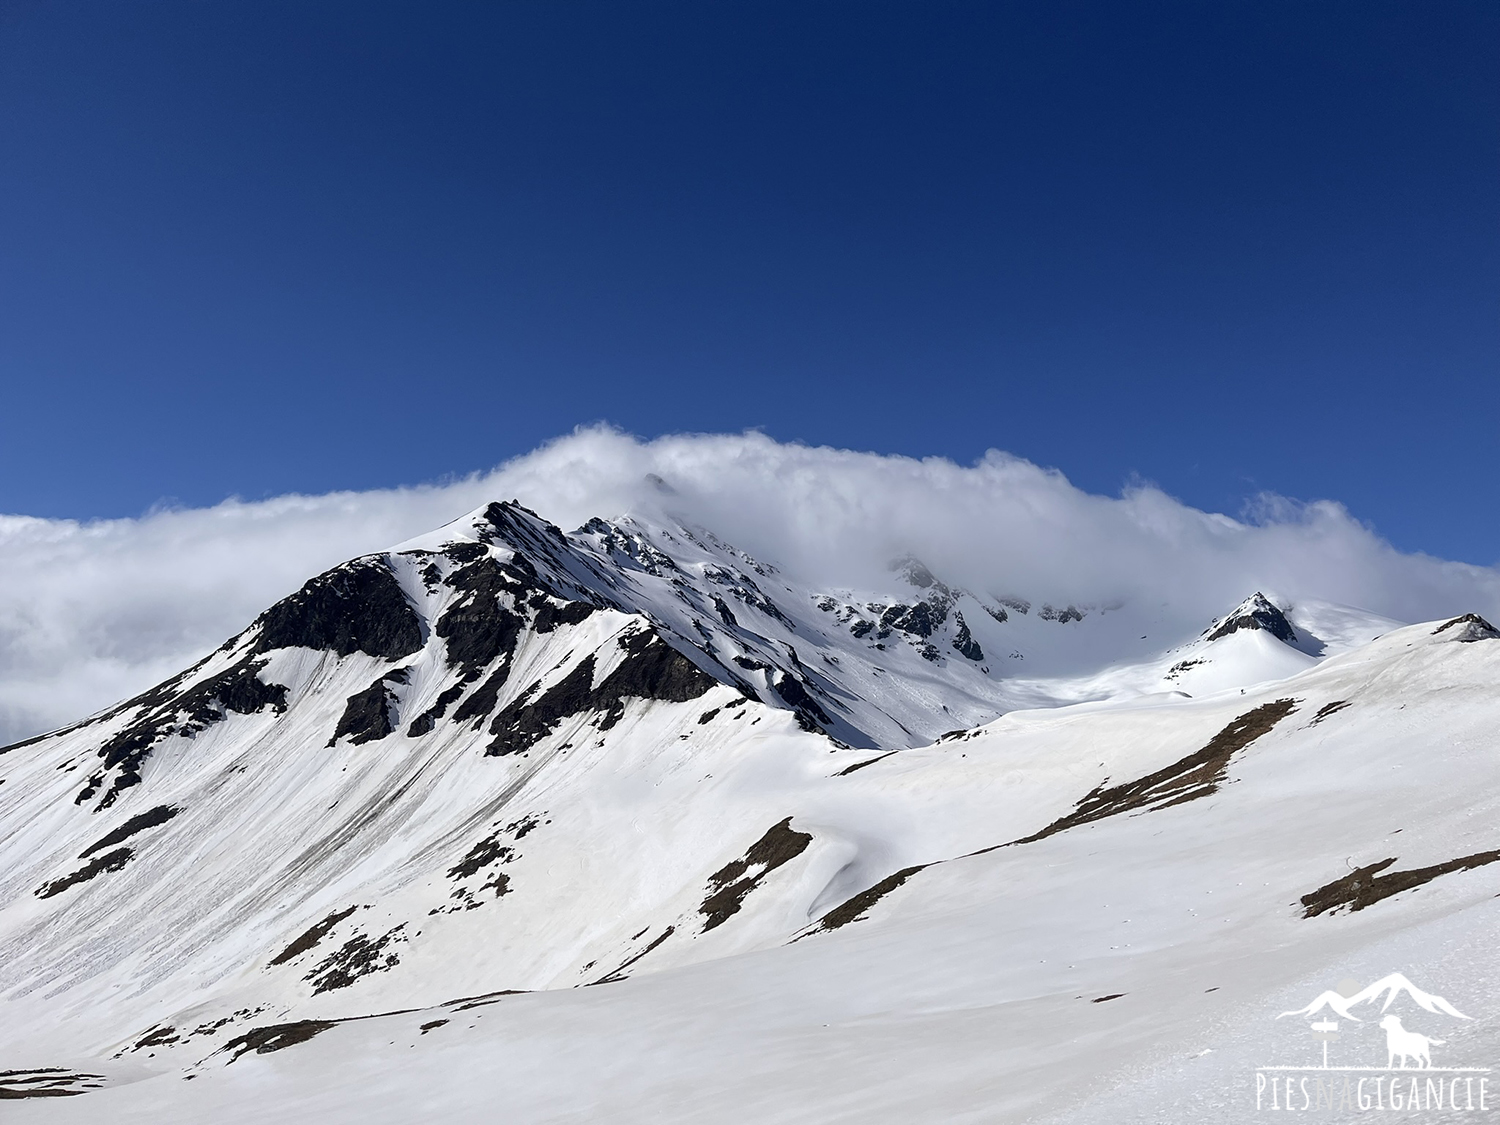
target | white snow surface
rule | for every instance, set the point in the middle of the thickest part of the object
(970, 891)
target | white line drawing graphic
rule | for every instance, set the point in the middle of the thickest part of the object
(1412, 1048)
(1399, 1041)
(1393, 986)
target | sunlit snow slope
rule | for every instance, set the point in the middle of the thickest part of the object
(625, 825)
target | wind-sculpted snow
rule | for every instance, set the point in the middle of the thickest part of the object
(814, 853)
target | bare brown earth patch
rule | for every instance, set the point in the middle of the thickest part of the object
(463, 1004)
(619, 974)
(731, 883)
(311, 936)
(847, 770)
(1365, 886)
(276, 1036)
(46, 1082)
(1328, 709)
(1198, 775)
(157, 1037)
(854, 909)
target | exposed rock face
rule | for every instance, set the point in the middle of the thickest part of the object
(166, 712)
(138, 823)
(478, 629)
(1255, 612)
(1061, 616)
(651, 670)
(370, 714)
(964, 643)
(1470, 627)
(357, 607)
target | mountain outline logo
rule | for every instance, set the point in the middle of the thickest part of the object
(1410, 1079)
(1391, 986)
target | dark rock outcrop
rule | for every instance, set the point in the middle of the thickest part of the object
(356, 607)
(477, 628)
(1470, 627)
(652, 669)
(368, 714)
(964, 643)
(237, 688)
(138, 823)
(1255, 612)
(110, 861)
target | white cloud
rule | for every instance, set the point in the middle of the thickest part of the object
(92, 612)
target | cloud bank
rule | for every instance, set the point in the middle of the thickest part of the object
(92, 612)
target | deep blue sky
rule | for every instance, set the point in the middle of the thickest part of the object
(247, 248)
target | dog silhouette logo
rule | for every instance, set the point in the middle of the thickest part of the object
(1347, 1081)
(1399, 1041)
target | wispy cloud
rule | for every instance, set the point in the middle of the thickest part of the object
(90, 612)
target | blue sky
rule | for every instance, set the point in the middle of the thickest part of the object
(253, 248)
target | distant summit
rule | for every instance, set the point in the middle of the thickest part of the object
(1469, 627)
(1255, 612)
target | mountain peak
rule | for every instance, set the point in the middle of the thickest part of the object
(1469, 627)
(1255, 612)
(912, 570)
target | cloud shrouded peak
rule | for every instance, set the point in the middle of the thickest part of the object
(90, 612)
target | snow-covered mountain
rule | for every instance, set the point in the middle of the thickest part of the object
(826, 853)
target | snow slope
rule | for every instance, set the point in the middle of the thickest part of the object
(508, 822)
